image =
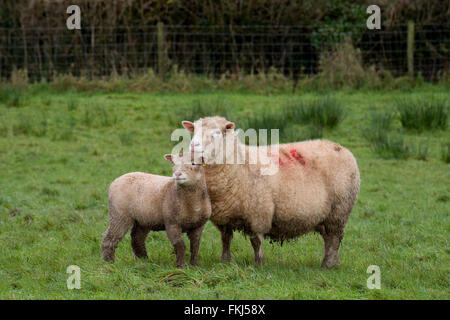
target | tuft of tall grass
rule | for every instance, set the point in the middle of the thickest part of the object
(314, 116)
(11, 98)
(23, 126)
(324, 112)
(423, 113)
(126, 138)
(107, 118)
(264, 119)
(3, 130)
(297, 133)
(98, 117)
(445, 152)
(421, 151)
(72, 105)
(199, 110)
(380, 124)
(381, 120)
(391, 146)
(65, 129)
(87, 118)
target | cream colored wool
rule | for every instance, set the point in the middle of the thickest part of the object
(315, 189)
(146, 202)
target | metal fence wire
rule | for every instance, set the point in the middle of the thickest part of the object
(215, 50)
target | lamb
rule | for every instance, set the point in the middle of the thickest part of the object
(313, 190)
(147, 202)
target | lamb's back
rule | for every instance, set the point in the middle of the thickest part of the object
(140, 195)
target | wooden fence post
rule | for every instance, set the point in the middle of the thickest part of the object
(162, 51)
(410, 49)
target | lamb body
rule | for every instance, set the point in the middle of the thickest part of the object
(147, 202)
(314, 189)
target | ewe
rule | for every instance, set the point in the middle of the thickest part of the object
(147, 202)
(314, 189)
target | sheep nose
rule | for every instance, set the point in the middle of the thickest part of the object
(195, 144)
(177, 174)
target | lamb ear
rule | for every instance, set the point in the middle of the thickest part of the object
(229, 125)
(168, 157)
(188, 125)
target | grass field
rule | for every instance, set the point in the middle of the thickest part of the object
(60, 151)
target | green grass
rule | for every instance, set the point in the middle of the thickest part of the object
(299, 119)
(54, 177)
(423, 113)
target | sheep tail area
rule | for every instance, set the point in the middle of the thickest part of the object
(332, 228)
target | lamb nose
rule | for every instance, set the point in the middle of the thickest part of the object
(177, 174)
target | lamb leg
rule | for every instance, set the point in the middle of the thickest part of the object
(176, 238)
(194, 237)
(138, 236)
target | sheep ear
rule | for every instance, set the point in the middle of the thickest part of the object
(168, 157)
(188, 125)
(229, 125)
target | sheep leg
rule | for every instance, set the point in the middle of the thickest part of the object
(116, 231)
(256, 241)
(332, 240)
(227, 235)
(138, 236)
(194, 237)
(176, 238)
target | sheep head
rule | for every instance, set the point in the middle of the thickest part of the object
(211, 135)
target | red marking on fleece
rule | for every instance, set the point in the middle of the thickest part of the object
(277, 158)
(297, 156)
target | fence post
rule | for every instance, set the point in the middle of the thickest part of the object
(410, 49)
(162, 52)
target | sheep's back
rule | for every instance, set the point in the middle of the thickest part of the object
(312, 176)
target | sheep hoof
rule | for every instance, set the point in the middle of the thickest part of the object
(328, 264)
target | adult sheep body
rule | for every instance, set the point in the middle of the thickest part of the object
(314, 189)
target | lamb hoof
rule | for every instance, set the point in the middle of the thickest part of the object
(194, 263)
(225, 259)
(108, 258)
(260, 262)
(142, 257)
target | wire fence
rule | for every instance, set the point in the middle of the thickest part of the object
(215, 50)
